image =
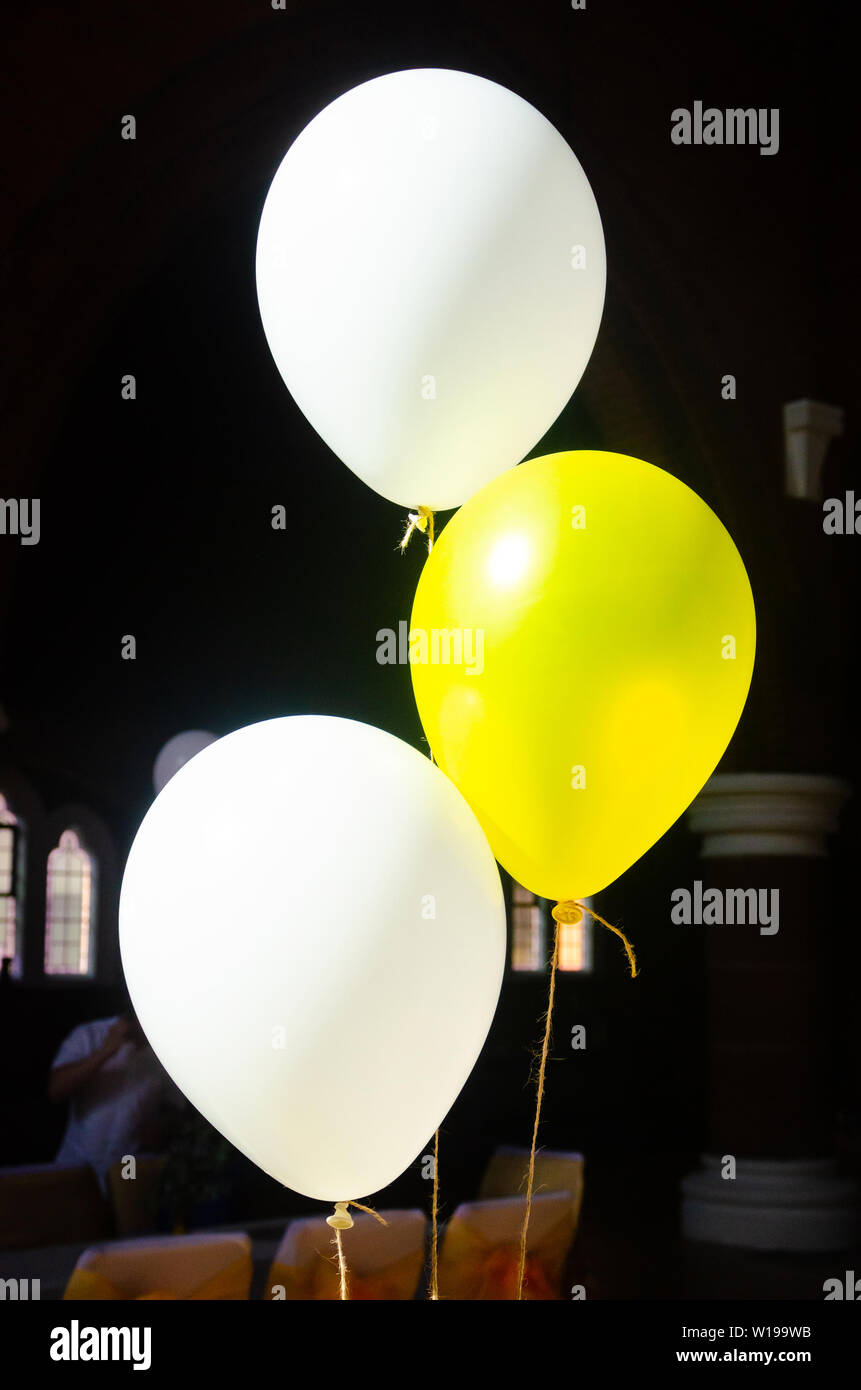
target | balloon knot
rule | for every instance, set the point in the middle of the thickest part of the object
(568, 913)
(421, 520)
(340, 1220)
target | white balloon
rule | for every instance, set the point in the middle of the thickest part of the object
(176, 753)
(313, 934)
(431, 275)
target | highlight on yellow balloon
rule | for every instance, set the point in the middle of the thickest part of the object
(617, 632)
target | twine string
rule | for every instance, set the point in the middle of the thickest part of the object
(343, 1287)
(566, 913)
(341, 1220)
(434, 1270)
(632, 959)
(542, 1067)
(370, 1211)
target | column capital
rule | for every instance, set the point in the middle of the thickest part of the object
(771, 1204)
(808, 428)
(745, 815)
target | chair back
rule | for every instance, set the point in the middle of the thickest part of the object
(555, 1171)
(134, 1201)
(384, 1262)
(50, 1204)
(480, 1253)
(197, 1267)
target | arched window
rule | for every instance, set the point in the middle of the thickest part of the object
(70, 908)
(527, 930)
(532, 936)
(11, 882)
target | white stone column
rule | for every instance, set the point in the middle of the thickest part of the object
(767, 830)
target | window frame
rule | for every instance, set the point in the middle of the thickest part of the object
(545, 906)
(18, 890)
(91, 974)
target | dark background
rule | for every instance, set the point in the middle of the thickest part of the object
(139, 257)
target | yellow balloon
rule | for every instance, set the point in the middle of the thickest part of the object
(581, 647)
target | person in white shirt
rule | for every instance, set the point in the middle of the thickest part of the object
(116, 1089)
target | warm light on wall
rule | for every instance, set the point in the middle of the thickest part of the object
(530, 937)
(575, 943)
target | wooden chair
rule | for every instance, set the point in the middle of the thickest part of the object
(480, 1252)
(555, 1171)
(45, 1204)
(134, 1201)
(384, 1262)
(196, 1268)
